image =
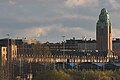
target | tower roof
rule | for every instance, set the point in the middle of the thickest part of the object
(103, 11)
(104, 18)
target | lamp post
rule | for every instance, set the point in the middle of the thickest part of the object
(23, 51)
(21, 58)
(8, 56)
(84, 39)
(63, 51)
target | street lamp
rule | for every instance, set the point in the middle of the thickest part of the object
(8, 56)
(84, 38)
(63, 44)
(63, 51)
(21, 58)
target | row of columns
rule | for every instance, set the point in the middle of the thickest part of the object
(61, 58)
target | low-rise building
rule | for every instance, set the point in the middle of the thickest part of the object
(11, 48)
(3, 55)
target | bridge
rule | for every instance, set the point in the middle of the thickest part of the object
(63, 58)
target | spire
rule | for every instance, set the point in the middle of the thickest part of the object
(104, 18)
(104, 11)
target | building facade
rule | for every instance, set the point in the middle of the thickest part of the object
(104, 32)
(11, 48)
(3, 53)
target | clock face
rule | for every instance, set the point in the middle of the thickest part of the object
(103, 18)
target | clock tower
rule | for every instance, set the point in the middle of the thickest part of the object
(104, 32)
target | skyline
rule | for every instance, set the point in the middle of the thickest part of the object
(51, 19)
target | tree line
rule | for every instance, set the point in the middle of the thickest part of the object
(77, 75)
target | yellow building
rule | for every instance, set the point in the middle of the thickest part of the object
(11, 48)
(3, 57)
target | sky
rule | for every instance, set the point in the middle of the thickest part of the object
(49, 20)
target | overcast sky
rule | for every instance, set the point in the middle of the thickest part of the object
(49, 20)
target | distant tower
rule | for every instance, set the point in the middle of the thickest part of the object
(104, 32)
